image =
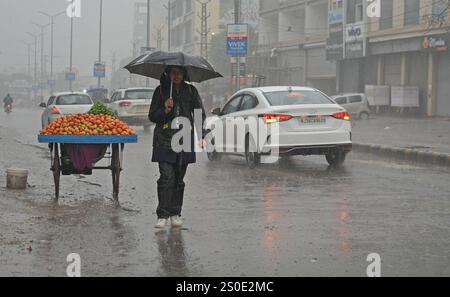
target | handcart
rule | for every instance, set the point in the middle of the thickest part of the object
(114, 146)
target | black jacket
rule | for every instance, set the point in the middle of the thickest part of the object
(185, 102)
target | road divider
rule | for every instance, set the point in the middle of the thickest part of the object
(404, 153)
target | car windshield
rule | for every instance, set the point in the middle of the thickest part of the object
(282, 98)
(139, 94)
(73, 100)
(98, 95)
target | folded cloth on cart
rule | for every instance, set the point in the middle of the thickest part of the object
(85, 156)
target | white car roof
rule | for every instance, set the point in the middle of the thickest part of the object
(283, 88)
(69, 93)
(133, 89)
(348, 94)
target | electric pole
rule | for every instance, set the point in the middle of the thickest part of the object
(159, 38)
(71, 53)
(147, 81)
(169, 7)
(237, 20)
(204, 31)
(99, 83)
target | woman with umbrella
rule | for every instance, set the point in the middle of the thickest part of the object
(173, 99)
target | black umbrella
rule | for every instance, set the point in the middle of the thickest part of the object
(153, 65)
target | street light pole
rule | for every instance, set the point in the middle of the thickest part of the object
(42, 27)
(237, 20)
(147, 81)
(35, 57)
(29, 58)
(52, 23)
(100, 41)
(71, 52)
(169, 15)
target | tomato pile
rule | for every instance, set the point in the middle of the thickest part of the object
(88, 124)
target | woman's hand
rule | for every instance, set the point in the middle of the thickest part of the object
(168, 105)
(202, 143)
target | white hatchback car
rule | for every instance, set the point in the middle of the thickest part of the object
(355, 104)
(67, 103)
(132, 105)
(309, 123)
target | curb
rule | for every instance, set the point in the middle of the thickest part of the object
(404, 154)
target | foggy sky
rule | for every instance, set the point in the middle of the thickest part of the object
(16, 17)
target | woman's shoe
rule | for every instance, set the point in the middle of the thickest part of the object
(161, 223)
(177, 221)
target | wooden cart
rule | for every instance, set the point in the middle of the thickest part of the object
(116, 145)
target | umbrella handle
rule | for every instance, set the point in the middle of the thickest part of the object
(171, 88)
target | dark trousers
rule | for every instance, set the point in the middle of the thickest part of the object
(170, 189)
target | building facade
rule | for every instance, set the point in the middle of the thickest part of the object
(292, 44)
(406, 45)
(186, 24)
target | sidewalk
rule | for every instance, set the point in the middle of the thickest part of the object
(419, 139)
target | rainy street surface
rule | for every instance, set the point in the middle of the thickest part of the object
(295, 218)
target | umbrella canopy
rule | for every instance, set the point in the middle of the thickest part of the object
(154, 64)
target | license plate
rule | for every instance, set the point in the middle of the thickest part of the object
(141, 108)
(312, 120)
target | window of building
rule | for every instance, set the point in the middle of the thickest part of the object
(440, 11)
(412, 12)
(179, 8)
(354, 11)
(386, 19)
(188, 6)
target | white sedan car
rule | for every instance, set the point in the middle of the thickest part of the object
(132, 105)
(66, 103)
(307, 122)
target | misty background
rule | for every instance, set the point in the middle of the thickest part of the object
(16, 17)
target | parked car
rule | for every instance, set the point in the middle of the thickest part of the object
(132, 105)
(310, 123)
(355, 104)
(65, 104)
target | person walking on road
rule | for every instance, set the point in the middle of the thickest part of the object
(173, 98)
(8, 100)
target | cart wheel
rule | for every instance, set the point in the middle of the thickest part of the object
(56, 168)
(115, 168)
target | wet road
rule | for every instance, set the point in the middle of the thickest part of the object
(296, 218)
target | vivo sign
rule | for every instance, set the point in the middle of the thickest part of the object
(354, 33)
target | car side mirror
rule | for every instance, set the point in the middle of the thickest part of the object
(43, 105)
(216, 111)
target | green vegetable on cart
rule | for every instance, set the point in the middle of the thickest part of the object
(101, 108)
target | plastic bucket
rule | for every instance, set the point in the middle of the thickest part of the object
(16, 178)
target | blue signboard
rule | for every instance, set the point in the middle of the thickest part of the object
(237, 47)
(70, 76)
(237, 40)
(99, 70)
